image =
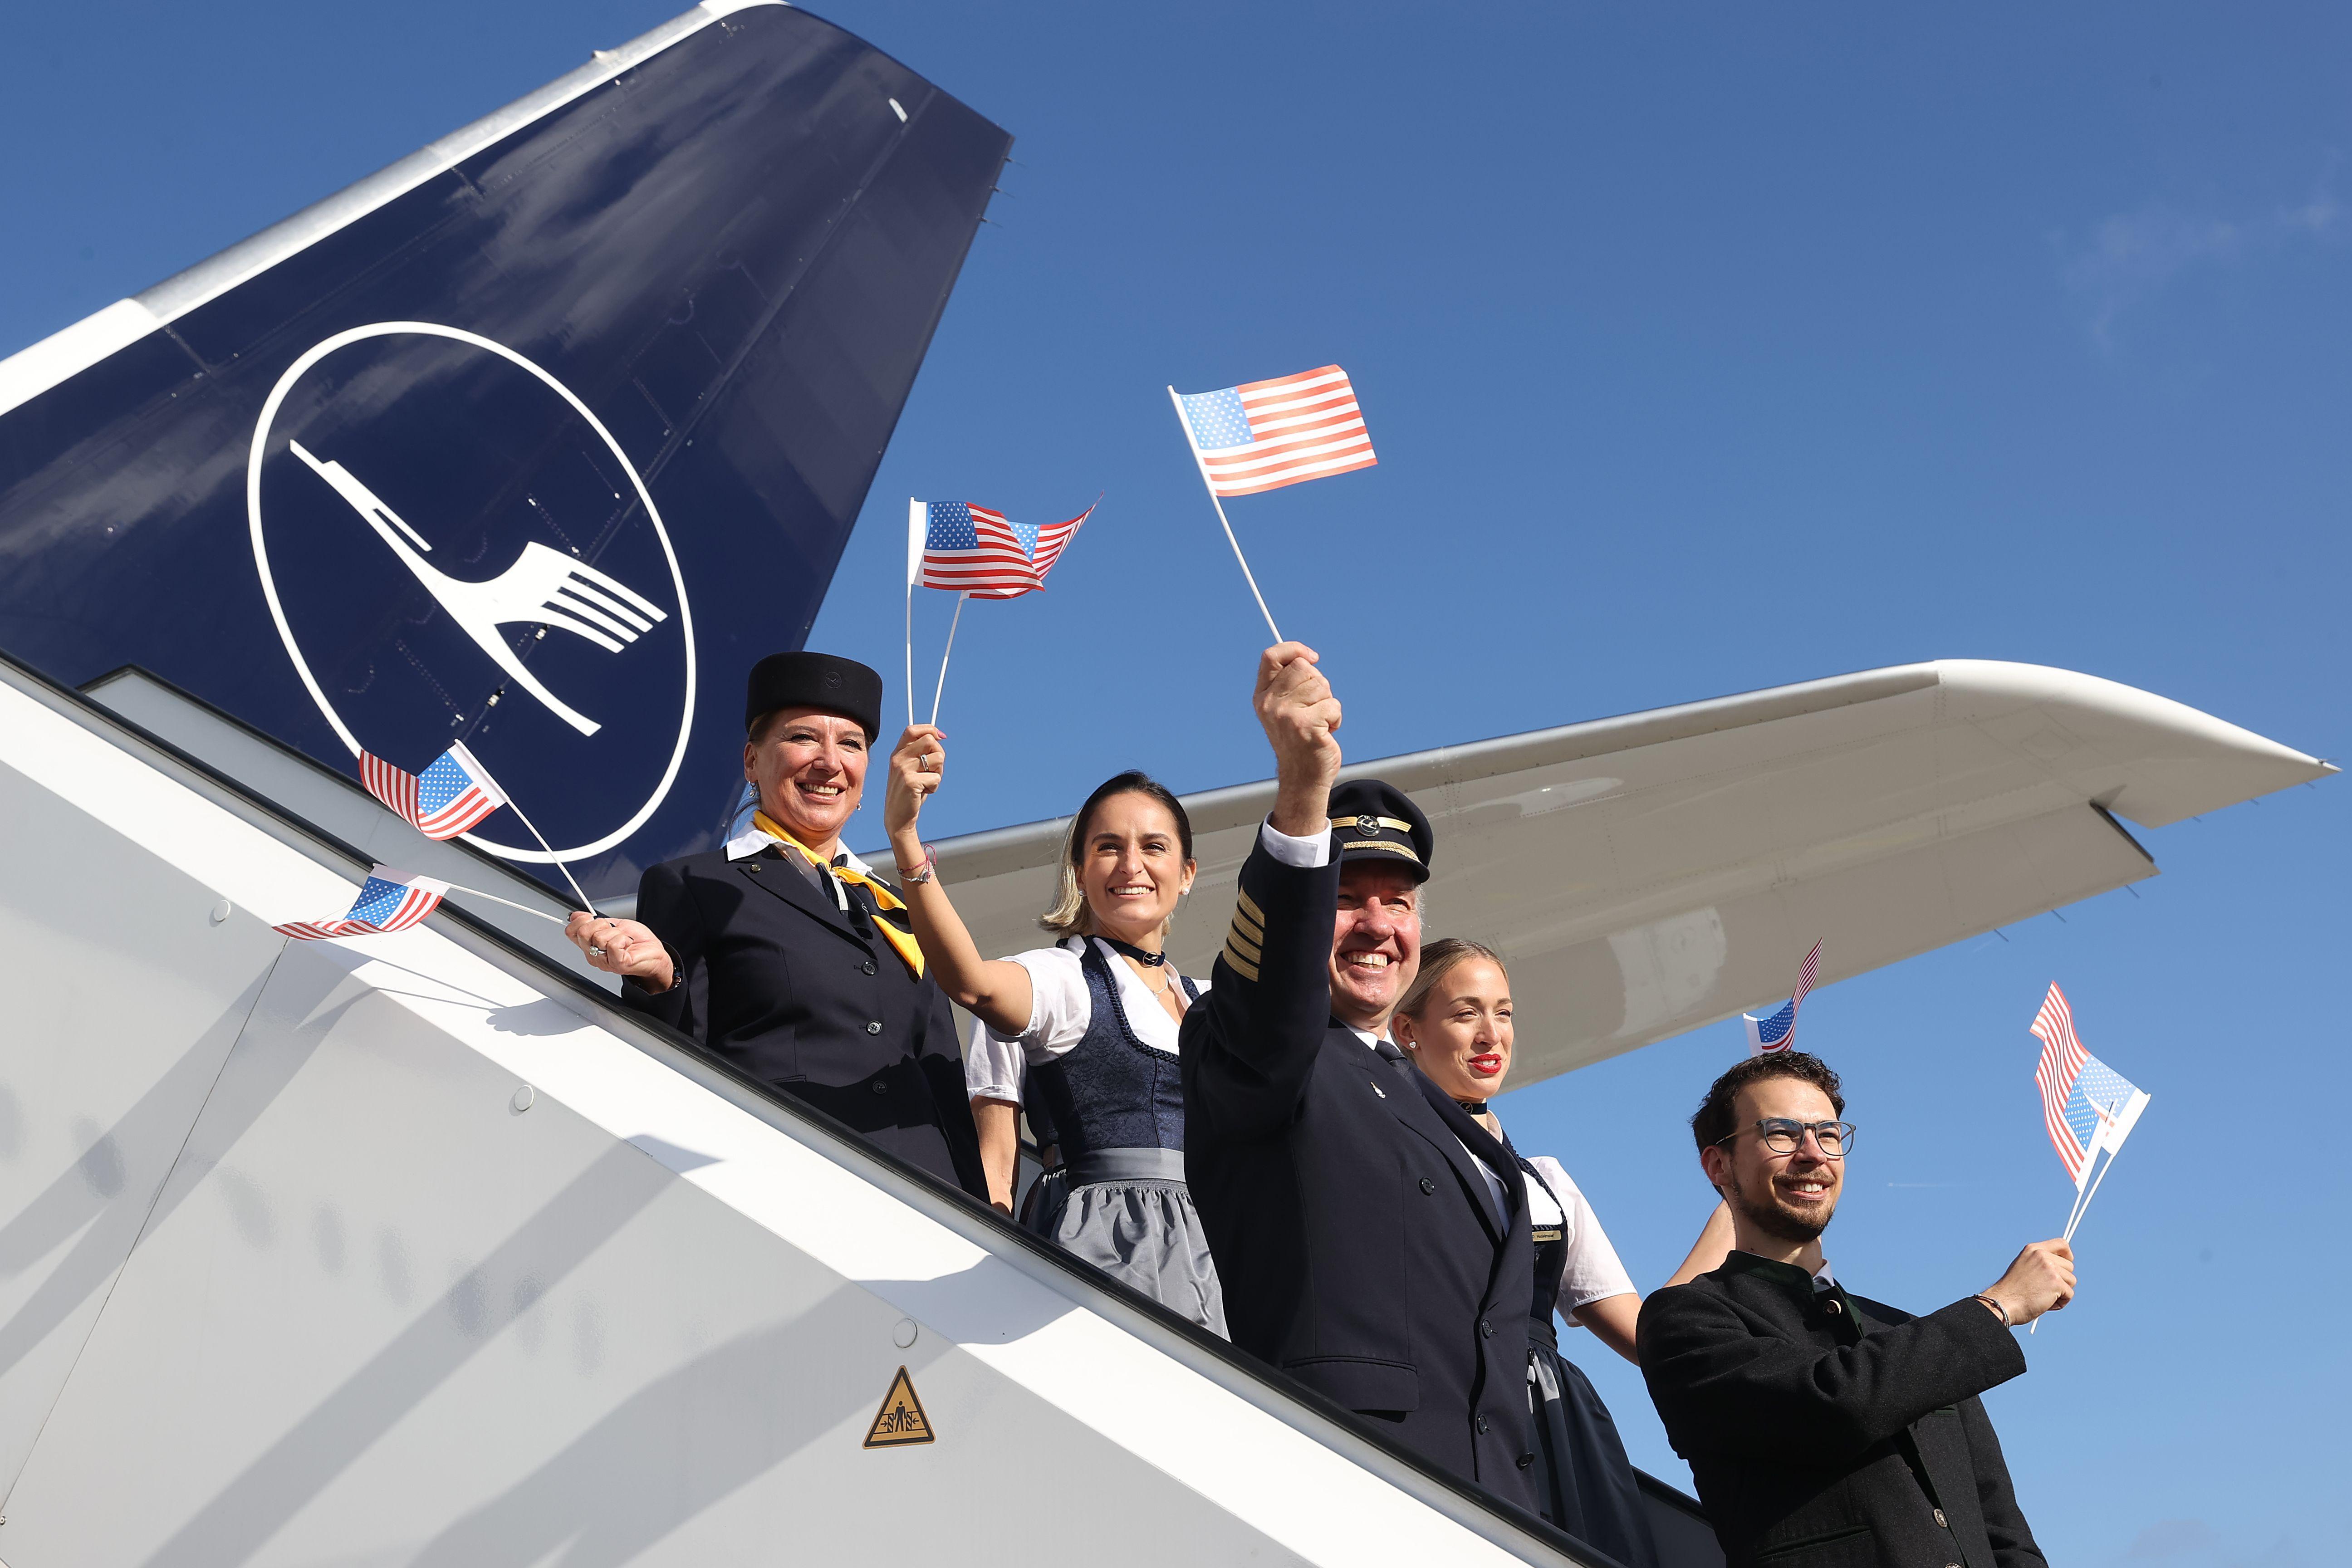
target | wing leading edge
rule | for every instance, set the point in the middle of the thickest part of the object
(1654, 872)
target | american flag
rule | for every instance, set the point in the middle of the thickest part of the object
(447, 798)
(1770, 1037)
(1263, 435)
(388, 900)
(977, 551)
(2086, 1105)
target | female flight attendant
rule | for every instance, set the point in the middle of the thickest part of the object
(787, 956)
(1455, 1023)
(1091, 1023)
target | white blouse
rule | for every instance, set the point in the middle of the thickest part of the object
(1061, 1009)
(1593, 1273)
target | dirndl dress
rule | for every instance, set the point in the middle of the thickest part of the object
(1116, 1105)
(1584, 1482)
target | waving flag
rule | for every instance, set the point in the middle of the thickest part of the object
(1053, 539)
(977, 551)
(444, 800)
(972, 550)
(1263, 435)
(388, 900)
(1770, 1037)
(2086, 1105)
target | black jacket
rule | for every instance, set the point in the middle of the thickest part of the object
(793, 992)
(1828, 1431)
(1358, 1247)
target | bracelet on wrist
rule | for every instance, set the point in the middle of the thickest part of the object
(1998, 1309)
(922, 873)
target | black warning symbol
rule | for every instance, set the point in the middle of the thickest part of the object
(900, 1421)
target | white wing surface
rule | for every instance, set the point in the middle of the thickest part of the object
(1652, 873)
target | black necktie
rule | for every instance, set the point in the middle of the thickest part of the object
(1402, 1062)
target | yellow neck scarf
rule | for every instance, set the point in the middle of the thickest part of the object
(902, 943)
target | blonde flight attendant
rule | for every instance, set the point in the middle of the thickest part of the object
(1455, 1025)
(1086, 1027)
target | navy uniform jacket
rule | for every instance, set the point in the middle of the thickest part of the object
(1358, 1247)
(1828, 1431)
(791, 991)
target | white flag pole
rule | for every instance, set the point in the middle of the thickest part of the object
(941, 688)
(477, 893)
(1250, 577)
(2114, 1149)
(917, 522)
(551, 855)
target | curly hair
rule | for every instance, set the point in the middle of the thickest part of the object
(1711, 1124)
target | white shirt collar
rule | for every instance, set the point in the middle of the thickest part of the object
(1823, 1278)
(753, 841)
(743, 845)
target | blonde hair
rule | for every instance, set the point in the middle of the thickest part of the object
(1070, 915)
(1438, 960)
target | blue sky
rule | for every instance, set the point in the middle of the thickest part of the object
(1705, 349)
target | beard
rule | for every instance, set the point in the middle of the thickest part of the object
(1764, 1213)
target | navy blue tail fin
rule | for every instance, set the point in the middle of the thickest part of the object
(535, 440)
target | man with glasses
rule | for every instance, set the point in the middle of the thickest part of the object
(1824, 1428)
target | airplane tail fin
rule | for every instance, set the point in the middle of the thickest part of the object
(658, 318)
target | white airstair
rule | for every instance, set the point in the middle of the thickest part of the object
(417, 1249)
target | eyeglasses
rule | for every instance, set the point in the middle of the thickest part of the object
(1783, 1136)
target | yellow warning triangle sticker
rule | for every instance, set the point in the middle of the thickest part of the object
(900, 1421)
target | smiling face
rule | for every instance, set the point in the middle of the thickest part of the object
(1789, 1198)
(1461, 1037)
(1131, 867)
(810, 767)
(1375, 943)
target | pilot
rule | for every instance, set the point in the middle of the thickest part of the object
(1371, 1236)
(784, 954)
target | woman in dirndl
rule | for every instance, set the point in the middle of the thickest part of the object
(1084, 1030)
(1455, 1023)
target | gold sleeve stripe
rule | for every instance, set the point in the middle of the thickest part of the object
(1239, 964)
(1244, 945)
(1249, 907)
(1248, 927)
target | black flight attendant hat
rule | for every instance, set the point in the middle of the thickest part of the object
(822, 680)
(1377, 821)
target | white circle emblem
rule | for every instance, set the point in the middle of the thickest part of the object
(644, 499)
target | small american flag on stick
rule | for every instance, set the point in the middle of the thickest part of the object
(977, 551)
(1263, 435)
(1770, 1037)
(2086, 1105)
(2063, 1056)
(388, 900)
(448, 798)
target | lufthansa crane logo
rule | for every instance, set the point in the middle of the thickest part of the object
(436, 420)
(541, 588)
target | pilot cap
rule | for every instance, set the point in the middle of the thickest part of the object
(823, 680)
(1377, 821)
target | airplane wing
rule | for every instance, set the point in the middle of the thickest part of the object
(1652, 873)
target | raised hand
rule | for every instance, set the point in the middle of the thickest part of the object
(1301, 719)
(622, 947)
(918, 766)
(2041, 1281)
